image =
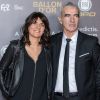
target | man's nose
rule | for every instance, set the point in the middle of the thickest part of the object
(72, 19)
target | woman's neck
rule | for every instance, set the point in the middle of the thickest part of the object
(34, 42)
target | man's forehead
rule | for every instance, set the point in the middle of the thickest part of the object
(69, 9)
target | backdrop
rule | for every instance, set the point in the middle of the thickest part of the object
(14, 12)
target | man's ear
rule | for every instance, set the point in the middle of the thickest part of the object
(60, 21)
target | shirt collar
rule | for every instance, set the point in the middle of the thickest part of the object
(73, 38)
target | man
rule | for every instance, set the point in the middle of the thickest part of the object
(82, 70)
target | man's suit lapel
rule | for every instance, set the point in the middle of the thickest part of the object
(57, 54)
(78, 50)
(78, 46)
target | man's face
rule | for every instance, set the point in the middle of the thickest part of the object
(69, 19)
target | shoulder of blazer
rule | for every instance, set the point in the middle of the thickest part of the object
(56, 37)
(16, 46)
(14, 43)
(88, 38)
(17, 43)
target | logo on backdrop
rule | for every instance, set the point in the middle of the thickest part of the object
(85, 5)
(18, 7)
(5, 7)
(46, 6)
(92, 30)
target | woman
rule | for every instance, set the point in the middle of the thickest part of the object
(31, 75)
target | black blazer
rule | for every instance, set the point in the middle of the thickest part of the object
(87, 64)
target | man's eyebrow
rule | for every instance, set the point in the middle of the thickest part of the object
(77, 15)
(67, 14)
(70, 14)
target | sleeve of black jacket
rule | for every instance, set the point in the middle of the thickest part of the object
(5, 62)
(96, 61)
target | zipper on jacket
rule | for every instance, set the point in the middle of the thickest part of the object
(48, 70)
(33, 82)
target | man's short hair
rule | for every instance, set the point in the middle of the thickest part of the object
(73, 5)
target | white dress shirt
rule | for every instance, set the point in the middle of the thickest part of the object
(71, 72)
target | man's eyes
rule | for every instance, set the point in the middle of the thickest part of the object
(68, 15)
(77, 15)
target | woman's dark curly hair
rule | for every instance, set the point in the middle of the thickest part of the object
(45, 38)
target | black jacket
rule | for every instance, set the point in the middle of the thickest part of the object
(11, 68)
(87, 65)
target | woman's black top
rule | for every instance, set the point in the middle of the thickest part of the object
(34, 81)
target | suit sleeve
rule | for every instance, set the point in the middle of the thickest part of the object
(7, 57)
(96, 62)
(4, 64)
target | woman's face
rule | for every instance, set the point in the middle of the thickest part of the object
(36, 29)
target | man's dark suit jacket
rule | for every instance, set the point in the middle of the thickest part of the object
(87, 64)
